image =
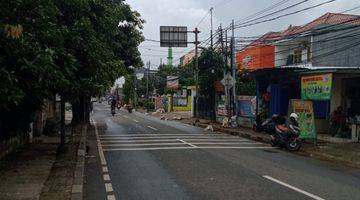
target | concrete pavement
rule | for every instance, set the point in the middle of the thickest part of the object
(141, 157)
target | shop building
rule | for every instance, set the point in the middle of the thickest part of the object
(326, 47)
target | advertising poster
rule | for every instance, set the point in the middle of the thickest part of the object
(317, 87)
(221, 108)
(247, 106)
(305, 111)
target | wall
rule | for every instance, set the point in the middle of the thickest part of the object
(184, 108)
(285, 48)
(337, 49)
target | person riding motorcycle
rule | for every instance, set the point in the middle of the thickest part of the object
(113, 105)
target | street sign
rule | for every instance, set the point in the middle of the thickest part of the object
(173, 36)
(228, 81)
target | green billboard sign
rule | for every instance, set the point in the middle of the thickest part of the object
(316, 87)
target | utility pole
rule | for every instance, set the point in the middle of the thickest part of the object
(196, 32)
(233, 67)
(147, 79)
(211, 26)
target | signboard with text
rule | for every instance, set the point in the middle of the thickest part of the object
(305, 112)
(172, 82)
(316, 87)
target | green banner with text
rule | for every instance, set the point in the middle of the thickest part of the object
(316, 87)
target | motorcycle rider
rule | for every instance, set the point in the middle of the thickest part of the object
(113, 105)
(283, 125)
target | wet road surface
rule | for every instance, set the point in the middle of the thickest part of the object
(134, 156)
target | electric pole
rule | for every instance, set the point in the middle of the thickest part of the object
(196, 32)
(147, 79)
(233, 67)
(211, 26)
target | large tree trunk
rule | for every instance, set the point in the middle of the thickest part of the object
(81, 110)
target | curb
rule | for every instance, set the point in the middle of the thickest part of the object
(304, 152)
(77, 188)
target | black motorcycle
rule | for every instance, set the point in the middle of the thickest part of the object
(282, 135)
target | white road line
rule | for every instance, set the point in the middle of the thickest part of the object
(106, 177)
(293, 188)
(108, 187)
(147, 144)
(155, 129)
(161, 137)
(186, 143)
(223, 143)
(105, 170)
(180, 148)
(111, 197)
(101, 153)
(172, 140)
(135, 120)
(165, 134)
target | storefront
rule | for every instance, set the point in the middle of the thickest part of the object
(336, 98)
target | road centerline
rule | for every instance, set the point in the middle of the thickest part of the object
(293, 188)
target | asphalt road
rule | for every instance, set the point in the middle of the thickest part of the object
(134, 156)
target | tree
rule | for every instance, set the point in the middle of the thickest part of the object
(211, 69)
(30, 43)
(102, 49)
(245, 84)
(68, 47)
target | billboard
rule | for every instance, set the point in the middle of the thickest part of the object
(316, 87)
(172, 82)
(173, 36)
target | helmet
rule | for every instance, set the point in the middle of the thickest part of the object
(294, 115)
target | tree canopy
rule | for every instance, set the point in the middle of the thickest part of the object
(75, 48)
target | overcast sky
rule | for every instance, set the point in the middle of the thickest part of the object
(190, 12)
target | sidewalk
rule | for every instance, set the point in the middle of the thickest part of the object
(36, 171)
(342, 153)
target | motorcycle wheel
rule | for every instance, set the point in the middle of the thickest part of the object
(293, 144)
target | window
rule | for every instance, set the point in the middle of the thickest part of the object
(297, 56)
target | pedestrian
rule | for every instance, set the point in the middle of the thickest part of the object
(336, 121)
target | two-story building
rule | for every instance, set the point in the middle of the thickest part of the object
(326, 49)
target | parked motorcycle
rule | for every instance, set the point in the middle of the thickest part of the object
(261, 124)
(282, 135)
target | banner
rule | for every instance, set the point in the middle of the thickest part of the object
(317, 87)
(305, 111)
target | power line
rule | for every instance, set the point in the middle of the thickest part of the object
(264, 10)
(285, 15)
(351, 9)
(275, 12)
(207, 13)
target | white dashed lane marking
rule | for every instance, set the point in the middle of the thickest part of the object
(155, 129)
(293, 188)
(106, 176)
